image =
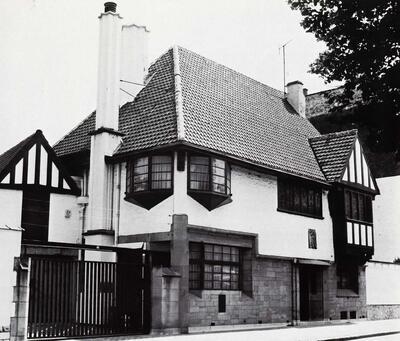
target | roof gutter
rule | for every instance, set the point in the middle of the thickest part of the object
(240, 161)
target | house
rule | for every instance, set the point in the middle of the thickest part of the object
(259, 217)
(383, 275)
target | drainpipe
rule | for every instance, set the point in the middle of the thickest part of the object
(294, 293)
(118, 204)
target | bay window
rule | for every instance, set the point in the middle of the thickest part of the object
(149, 180)
(358, 206)
(209, 181)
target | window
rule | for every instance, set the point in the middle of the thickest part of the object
(358, 206)
(300, 198)
(209, 181)
(209, 174)
(347, 277)
(151, 173)
(214, 267)
(149, 180)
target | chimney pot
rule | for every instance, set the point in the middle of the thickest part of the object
(110, 7)
(305, 91)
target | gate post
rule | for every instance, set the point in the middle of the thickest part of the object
(180, 264)
(19, 323)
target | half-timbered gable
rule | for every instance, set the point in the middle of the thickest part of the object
(357, 172)
(32, 164)
(341, 158)
(32, 176)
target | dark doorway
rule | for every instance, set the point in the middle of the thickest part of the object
(35, 215)
(311, 293)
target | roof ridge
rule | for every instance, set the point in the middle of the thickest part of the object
(178, 95)
(235, 71)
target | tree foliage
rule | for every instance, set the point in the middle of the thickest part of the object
(363, 50)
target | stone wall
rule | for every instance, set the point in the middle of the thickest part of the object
(271, 299)
(383, 311)
(337, 301)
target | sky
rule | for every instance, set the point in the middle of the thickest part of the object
(48, 53)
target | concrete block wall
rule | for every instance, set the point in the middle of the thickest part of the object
(336, 301)
(271, 301)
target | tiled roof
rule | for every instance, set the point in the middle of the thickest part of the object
(10, 154)
(222, 110)
(148, 121)
(332, 152)
(229, 112)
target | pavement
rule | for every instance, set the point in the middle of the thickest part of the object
(362, 330)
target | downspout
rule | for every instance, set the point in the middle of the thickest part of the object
(118, 205)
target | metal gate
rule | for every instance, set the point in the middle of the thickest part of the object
(86, 298)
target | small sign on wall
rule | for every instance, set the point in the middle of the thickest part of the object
(68, 214)
(312, 239)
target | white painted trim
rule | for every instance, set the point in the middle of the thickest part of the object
(43, 166)
(178, 95)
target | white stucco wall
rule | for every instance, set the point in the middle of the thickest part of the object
(387, 219)
(10, 208)
(10, 248)
(61, 227)
(253, 209)
(135, 219)
(383, 283)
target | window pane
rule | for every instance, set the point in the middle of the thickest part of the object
(142, 161)
(218, 163)
(161, 172)
(140, 174)
(361, 207)
(347, 203)
(368, 209)
(199, 173)
(199, 160)
(354, 205)
(304, 200)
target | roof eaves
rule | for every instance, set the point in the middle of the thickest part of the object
(178, 95)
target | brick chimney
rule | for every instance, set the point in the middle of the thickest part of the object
(295, 96)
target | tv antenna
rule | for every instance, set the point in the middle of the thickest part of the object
(283, 47)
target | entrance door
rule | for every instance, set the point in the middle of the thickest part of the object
(311, 293)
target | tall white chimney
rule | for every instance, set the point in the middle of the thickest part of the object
(105, 138)
(295, 96)
(134, 61)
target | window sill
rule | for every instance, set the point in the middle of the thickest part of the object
(301, 214)
(346, 293)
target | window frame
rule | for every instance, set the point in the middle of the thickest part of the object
(202, 262)
(227, 176)
(130, 178)
(349, 273)
(286, 188)
(367, 217)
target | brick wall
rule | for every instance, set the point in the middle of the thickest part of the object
(270, 301)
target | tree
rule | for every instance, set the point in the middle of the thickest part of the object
(363, 50)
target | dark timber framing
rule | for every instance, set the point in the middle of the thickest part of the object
(37, 141)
